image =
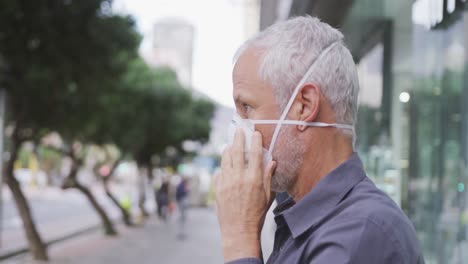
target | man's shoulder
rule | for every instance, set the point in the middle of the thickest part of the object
(369, 205)
(372, 204)
(371, 219)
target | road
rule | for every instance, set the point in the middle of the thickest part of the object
(155, 242)
(56, 213)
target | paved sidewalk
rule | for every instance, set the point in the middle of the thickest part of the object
(155, 242)
(56, 213)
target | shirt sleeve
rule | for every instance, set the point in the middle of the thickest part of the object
(356, 241)
(246, 261)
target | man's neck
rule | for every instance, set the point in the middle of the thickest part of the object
(323, 158)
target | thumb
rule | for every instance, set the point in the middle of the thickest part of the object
(270, 169)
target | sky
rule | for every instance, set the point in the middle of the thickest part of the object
(219, 31)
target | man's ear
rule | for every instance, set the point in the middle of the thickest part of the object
(308, 100)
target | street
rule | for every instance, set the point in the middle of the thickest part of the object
(155, 242)
(57, 213)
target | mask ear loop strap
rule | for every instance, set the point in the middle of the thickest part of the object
(293, 97)
(296, 122)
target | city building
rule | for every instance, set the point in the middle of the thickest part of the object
(413, 118)
(250, 10)
(251, 17)
(172, 46)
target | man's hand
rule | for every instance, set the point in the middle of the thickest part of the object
(243, 197)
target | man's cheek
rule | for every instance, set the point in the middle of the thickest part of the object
(267, 132)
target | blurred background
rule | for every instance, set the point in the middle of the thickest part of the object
(113, 116)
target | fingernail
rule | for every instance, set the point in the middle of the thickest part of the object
(274, 164)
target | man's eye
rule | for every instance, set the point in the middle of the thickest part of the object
(247, 107)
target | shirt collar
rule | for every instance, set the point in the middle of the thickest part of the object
(323, 198)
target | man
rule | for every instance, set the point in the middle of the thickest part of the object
(295, 90)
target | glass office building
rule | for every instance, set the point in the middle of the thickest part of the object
(413, 119)
(413, 113)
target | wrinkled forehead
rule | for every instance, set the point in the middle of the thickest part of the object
(246, 78)
(247, 66)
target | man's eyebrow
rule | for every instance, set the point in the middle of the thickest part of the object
(238, 99)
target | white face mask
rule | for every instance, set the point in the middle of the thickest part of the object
(248, 125)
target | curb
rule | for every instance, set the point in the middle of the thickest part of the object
(24, 250)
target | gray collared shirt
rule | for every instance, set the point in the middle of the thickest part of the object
(344, 219)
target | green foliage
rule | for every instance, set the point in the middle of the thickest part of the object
(202, 110)
(165, 114)
(57, 57)
(150, 112)
(72, 67)
(48, 158)
(23, 158)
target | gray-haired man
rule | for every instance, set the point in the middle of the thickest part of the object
(295, 90)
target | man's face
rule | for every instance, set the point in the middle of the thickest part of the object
(255, 99)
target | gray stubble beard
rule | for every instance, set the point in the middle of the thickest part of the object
(289, 155)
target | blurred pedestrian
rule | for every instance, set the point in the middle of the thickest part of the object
(162, 200)
(182, 192)
(126, 203)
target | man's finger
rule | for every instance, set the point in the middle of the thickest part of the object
(216, 180)
(237, 152)
(256, 152)
(226, 160)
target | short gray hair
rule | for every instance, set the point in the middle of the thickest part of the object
(288, 48)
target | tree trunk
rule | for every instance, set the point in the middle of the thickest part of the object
(72, 182)
(36, 246)
(150, 172)
(142, 195)
(125, 214)
(106, 222)
(105, 182)
(49, 178)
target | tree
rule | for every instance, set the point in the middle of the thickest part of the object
(51, 53)
(105, 179)
(160, 113)
(171, 117)
(127, 104)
